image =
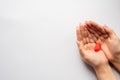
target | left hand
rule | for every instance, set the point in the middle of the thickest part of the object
(86, 43)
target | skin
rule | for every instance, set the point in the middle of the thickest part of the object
(98, 60)
(109, 40)
(86, 45)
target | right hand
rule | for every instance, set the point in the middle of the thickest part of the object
(110, 41)
(113, 44)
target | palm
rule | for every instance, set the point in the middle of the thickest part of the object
(95, 58)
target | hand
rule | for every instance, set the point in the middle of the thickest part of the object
(108, 38)
(113, 44)
(86, 43)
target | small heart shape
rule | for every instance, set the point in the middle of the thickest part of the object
(97, 47)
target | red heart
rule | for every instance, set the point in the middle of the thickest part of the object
(97, 47)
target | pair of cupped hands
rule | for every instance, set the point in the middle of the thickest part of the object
(88, 34)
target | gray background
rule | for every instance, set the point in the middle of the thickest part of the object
(37, 37)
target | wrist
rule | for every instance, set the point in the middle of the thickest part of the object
(104, 72)
(117, 55)
(116, 61)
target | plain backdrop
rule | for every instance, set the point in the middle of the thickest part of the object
(38, 41)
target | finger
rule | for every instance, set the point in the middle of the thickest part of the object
(93, 32)
(86, 33)
(98, 29)
(93, 38)
(105, 36)
(83, 33)
(78, 33)
(97, 26)
(93, 28)
(89, 37)
(97, 36)
(85, 30)
(81, 47)
(99, 41)
(108, 30)
(82, 30)
(89, 27)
